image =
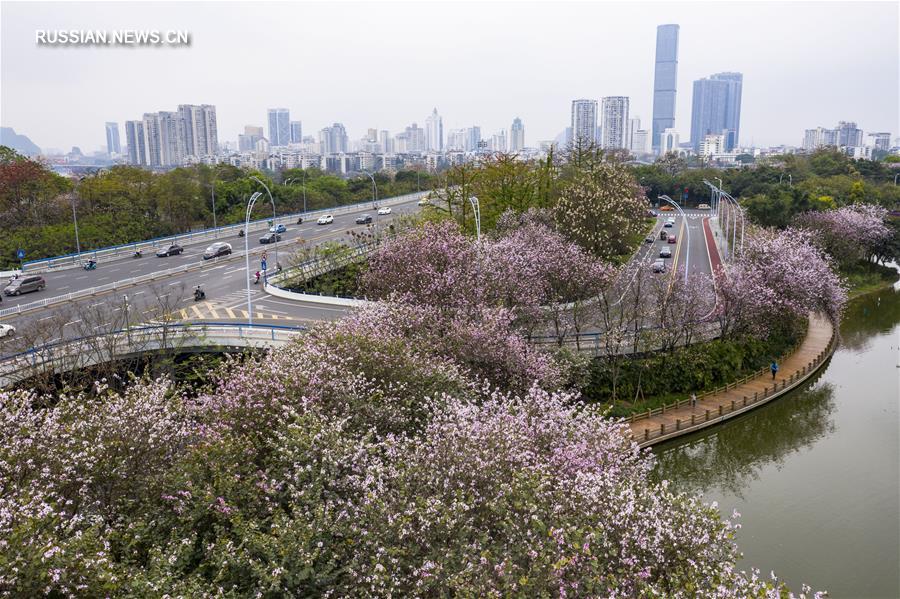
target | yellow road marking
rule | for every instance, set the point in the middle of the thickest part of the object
(678, 246)
(184, 314)
(230, 312)
(245, 313)
(211, 309)
(197, 311)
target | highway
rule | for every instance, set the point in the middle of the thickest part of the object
(224, 282)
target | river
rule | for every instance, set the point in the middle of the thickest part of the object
(815, 474)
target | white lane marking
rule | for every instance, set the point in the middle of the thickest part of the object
(234, 270)
(103, 279)
(73, 322)
(45, 318)
(97, 304)
(63, 287)
(137, 293)
(81, 277)
(173, 284)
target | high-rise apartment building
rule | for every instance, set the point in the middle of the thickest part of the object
(498, 141)
(516, 135)
(333, 140)
(201, 137)
(819, 137)
(385, 141)
(614, 110)
(112, 139)
(434, 132)
(296, 132)
(716, 109)
(473, 138)
(584, 121)
(849, 135)
(665, 78)
(252, 134)
(134, 137)
(880, 140)
(415, 139)
(279, 127)
(669, 141)
(640, 139)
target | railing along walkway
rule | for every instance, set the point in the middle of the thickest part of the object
(679, 418)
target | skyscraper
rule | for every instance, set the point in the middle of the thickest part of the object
(134, 137)
(849, 134)
(716, 109)
(247, 142)
(584, 120)
(668, 141)
(434, 132)
(333, 140)
(615, 122)
(296, 132)
(516, 135)
(415, 138)
(201, 136)
(665, 78)
(112, 139)
(279, 127)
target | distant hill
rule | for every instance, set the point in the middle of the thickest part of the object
(19, 143)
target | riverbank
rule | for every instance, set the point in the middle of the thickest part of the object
(871, 278)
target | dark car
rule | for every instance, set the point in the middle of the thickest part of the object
(172, 250)
(669, 225)
(220, 248)
(25, 284)
(270, 238)
(365, 219)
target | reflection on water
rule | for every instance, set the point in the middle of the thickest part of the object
(730, 456)
(816, 474)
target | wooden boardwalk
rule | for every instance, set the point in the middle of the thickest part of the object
(661, 424)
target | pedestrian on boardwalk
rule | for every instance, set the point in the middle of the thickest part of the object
(774, 368)
(693, 400)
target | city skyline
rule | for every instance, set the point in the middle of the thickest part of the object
(773, 112)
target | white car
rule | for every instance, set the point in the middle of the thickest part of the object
(659, 266)
(325, 220)
(423, 202)
(7, 330)
(384, 210)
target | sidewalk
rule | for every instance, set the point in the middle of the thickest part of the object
(726, 402)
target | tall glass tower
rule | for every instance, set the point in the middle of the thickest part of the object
(664, 80)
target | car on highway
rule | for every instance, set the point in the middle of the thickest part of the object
(384, 210)
(270, 238)
(669, 224)
(648, 239)
(365, 219)
(25, 284)
(703, 207)
(659, 266)
(672, 239)
(277, 229)
(422, 202)
(171, 250)
(666, 252)
(7, 330)
(666, 208)
(217, 249)
(663, 235)
(325, 220)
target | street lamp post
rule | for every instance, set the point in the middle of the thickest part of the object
(374, 190)
(75, 219)
(476, 208)
(215, 224)
(274, 216)
(256, 195)
(687, 228)
(895, 178)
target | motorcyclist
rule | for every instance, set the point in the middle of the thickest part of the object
(199, 294)
(138, 253)
(257, 277)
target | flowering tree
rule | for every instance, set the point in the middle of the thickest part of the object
(848, 234)
(358, 461)
(603, 211)
(779, 273)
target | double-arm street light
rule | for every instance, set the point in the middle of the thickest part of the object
(256, 195)
(274, 216)
(476, 208)
(374, 190)
(790, 179)
(687, 228)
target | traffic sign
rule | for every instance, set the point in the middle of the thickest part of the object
(263, 264)
(20, 254)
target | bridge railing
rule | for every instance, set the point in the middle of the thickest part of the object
(87, 350)
(72, 260)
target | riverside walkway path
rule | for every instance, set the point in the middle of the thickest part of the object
(685, 416)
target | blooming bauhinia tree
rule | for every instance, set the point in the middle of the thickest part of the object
(779, 273)
(848, 234)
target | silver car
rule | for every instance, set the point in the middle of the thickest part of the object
(25, 284)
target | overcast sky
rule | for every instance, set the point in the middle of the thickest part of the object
(386, 65)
